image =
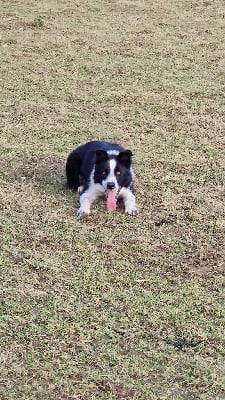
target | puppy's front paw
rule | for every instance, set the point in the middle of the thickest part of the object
(131, 211)
(83, 212)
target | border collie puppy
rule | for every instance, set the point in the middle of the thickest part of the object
(100, 168)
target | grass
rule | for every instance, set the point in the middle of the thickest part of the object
(112, 307)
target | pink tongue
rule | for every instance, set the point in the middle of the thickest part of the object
(111, 200)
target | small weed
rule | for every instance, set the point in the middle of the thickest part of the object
(38, 22)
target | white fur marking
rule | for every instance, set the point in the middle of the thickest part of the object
(112, 165)
(132, 173)
(113, 152)
(129, 201)
(88, 197)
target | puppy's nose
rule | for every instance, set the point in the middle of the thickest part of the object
(110, 185)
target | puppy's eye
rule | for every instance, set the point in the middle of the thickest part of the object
(104, 173)
(118, 173)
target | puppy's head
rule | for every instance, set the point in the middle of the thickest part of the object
(112, 169)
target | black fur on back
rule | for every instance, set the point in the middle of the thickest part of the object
(93, 156)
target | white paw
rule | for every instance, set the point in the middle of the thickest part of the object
(131, 211)
(83, 212)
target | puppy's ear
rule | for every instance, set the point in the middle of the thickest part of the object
(100, 155)
(124, 157)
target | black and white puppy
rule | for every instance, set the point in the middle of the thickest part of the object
(100, 168)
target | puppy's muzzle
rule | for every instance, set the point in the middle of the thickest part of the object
(111, 185)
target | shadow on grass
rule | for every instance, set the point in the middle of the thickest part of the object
(45, 172)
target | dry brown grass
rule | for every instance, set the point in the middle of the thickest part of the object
(112, 307)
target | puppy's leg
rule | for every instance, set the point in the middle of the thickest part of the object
(129, 201)
(73, 170)
(87, 198)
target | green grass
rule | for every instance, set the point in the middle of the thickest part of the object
(112, 307)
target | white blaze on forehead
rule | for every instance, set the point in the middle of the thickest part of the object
(111, 177)
(112, 166)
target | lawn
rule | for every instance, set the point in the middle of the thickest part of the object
(113, 307)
